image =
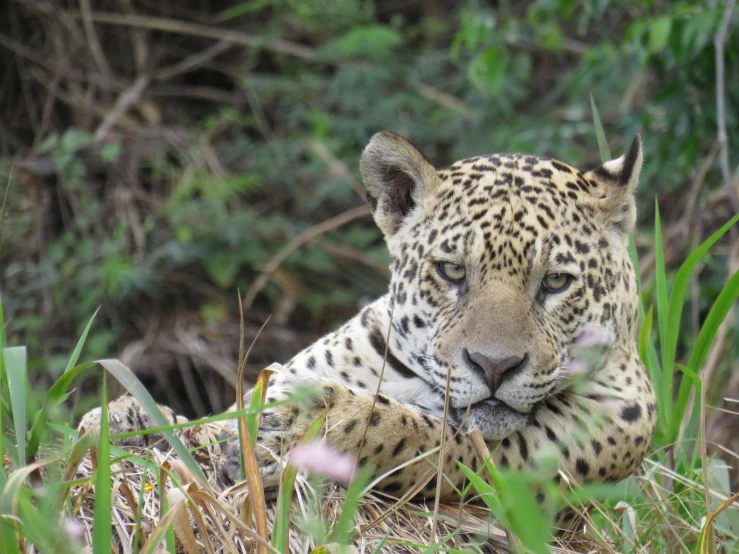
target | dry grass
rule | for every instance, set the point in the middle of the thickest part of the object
(219, 521)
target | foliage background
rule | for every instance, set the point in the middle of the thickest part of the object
(159, 156)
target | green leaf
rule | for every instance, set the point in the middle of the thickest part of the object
(49, 143)
(514, 503)
(110, 151)
(690, 429)
(659, 34)
(703, 343)
(549, 35)
(648, 355)
(677, 300)
(222, 268)
(11, 491)
(605, 153)
(58, 392)
(682, 281)
(488, 494)
(488, 69)
(644, 342)
(525, 515)
(644, 333)
(662, 311)
(80, 343)
(102, 518)
(715, 318)
(16, 368)
(132, 384)
(56, 395)
(365, 41)
(74, 140)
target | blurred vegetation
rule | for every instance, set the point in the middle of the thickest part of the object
(159, 156)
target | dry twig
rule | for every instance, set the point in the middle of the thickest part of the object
(194, 29)
(127, 99)
(92, 39)
(192, 62)
(335, 165)
(305, 237)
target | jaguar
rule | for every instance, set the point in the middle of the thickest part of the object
(502, 267)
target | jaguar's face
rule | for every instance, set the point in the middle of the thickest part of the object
(498, 264)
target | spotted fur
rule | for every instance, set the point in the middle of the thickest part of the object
(502, 339)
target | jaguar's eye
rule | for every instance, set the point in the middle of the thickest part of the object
(454, 273)
(556, 282)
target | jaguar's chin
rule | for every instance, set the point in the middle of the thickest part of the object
(494, 419)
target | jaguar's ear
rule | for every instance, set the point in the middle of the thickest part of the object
(614, 184)
(398, 180)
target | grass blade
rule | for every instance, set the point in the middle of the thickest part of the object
(3, 381)
(677, 299)
(382, 542)
(662, 311)
(132, 384)
(3, 205)
(8, 506)
(704, 546)
(648, 355)
(605, 152)
(138, 530)
(644, 334)
(58, 391)
(341, 533)
(258, 398)
(706, 336)
(160, 530)
(3, 341)
(682, 281)
(56, 395)
(249, 463)
(80, 343)
(15, 366)
(281, 527)
(489, 495)
(102, 517)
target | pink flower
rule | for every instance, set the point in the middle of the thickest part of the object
(596, 337)
(319, 457)
(73, 529)
(588, 351)
(576, 367)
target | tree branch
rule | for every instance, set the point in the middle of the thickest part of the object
(305, 237)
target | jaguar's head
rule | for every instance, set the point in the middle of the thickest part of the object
(499, 263)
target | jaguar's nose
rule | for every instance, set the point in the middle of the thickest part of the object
(495, 370)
